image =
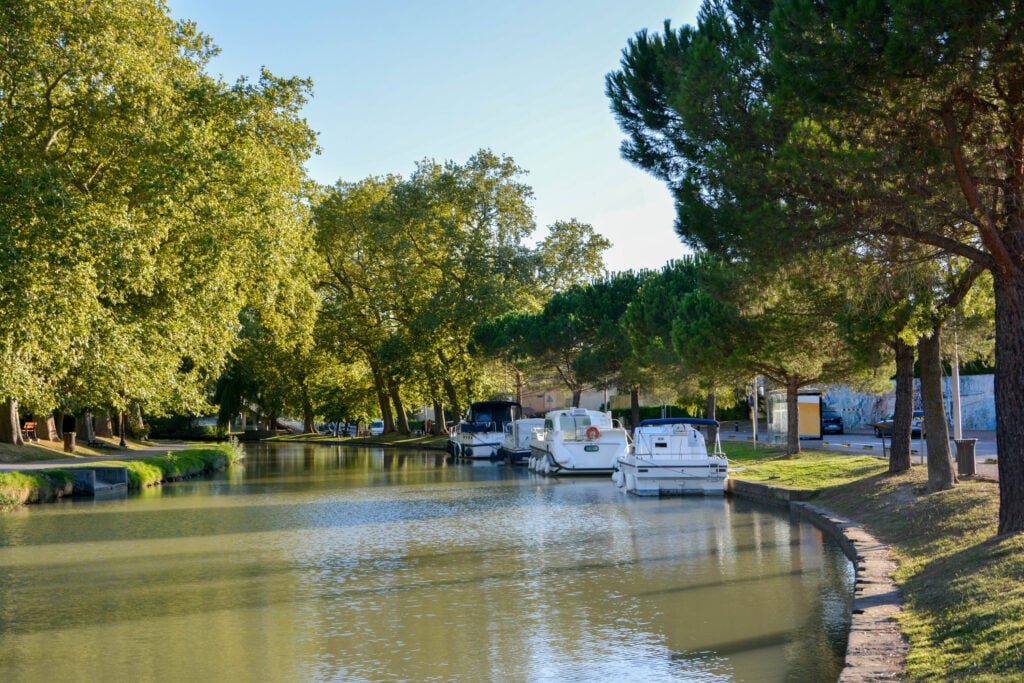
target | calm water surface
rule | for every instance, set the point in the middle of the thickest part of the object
(346, 564)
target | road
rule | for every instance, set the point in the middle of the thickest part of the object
(864, 440)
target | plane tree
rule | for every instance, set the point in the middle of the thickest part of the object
(145, 204)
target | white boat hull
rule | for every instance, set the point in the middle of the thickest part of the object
(573, 459)
(577, 441)
(667, 477)
(670, 457)
(476, 445)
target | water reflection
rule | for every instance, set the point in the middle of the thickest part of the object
(326, 563)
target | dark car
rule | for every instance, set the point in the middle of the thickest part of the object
(831, 422)
(916, 425)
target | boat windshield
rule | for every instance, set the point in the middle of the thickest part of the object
(574, 426)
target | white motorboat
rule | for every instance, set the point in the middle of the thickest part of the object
(515, 443)
(478, 435)
(577, 441)
(669, 456)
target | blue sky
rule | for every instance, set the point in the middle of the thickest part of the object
(397, 81)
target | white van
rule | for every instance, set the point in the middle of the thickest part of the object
(376, 427)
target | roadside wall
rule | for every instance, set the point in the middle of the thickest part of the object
(977, 402)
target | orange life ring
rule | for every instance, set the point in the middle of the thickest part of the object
(593, 433)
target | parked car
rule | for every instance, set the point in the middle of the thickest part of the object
(376, 427)
(916, 425)
(831, 422)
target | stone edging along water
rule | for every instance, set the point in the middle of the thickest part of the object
(875, 649)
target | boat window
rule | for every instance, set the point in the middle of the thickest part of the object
(482, 418)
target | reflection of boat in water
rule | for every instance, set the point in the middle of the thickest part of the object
(577, 441)
(515, 442)
(670, 456)
(479, 433)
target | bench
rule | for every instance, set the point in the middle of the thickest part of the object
(28, 432)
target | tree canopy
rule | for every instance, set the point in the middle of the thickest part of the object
(145, 204)
(788, 126)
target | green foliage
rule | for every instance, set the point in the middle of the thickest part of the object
(570, 255)
(145, 204)
(413, 264)
(181, 427)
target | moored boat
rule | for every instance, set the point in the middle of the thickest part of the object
(515, 442)
(478, 435)
(577, 441)
(669, 456)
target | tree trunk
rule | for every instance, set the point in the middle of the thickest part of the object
(382, 397)
(792, 418)
(449, 386)
(712, 415)
(105, 426)
(519, 386)
(903, 412)
(941, 473)
(577, 392)
(308, 417)
(634, 406)
(10, 424)
(440, 425)
(138, 425)
(85, 429)
(1009, 388)
(402, 418)
(46, 430)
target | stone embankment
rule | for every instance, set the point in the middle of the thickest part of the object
(875, 649)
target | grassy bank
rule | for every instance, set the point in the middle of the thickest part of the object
(963, 585)
(42, 486)
(153, 470)
(36, 486)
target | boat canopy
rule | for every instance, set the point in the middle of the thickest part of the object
(490, 415)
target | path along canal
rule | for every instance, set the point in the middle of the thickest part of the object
(329, 563)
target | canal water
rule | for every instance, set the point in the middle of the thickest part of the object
(356, 564)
